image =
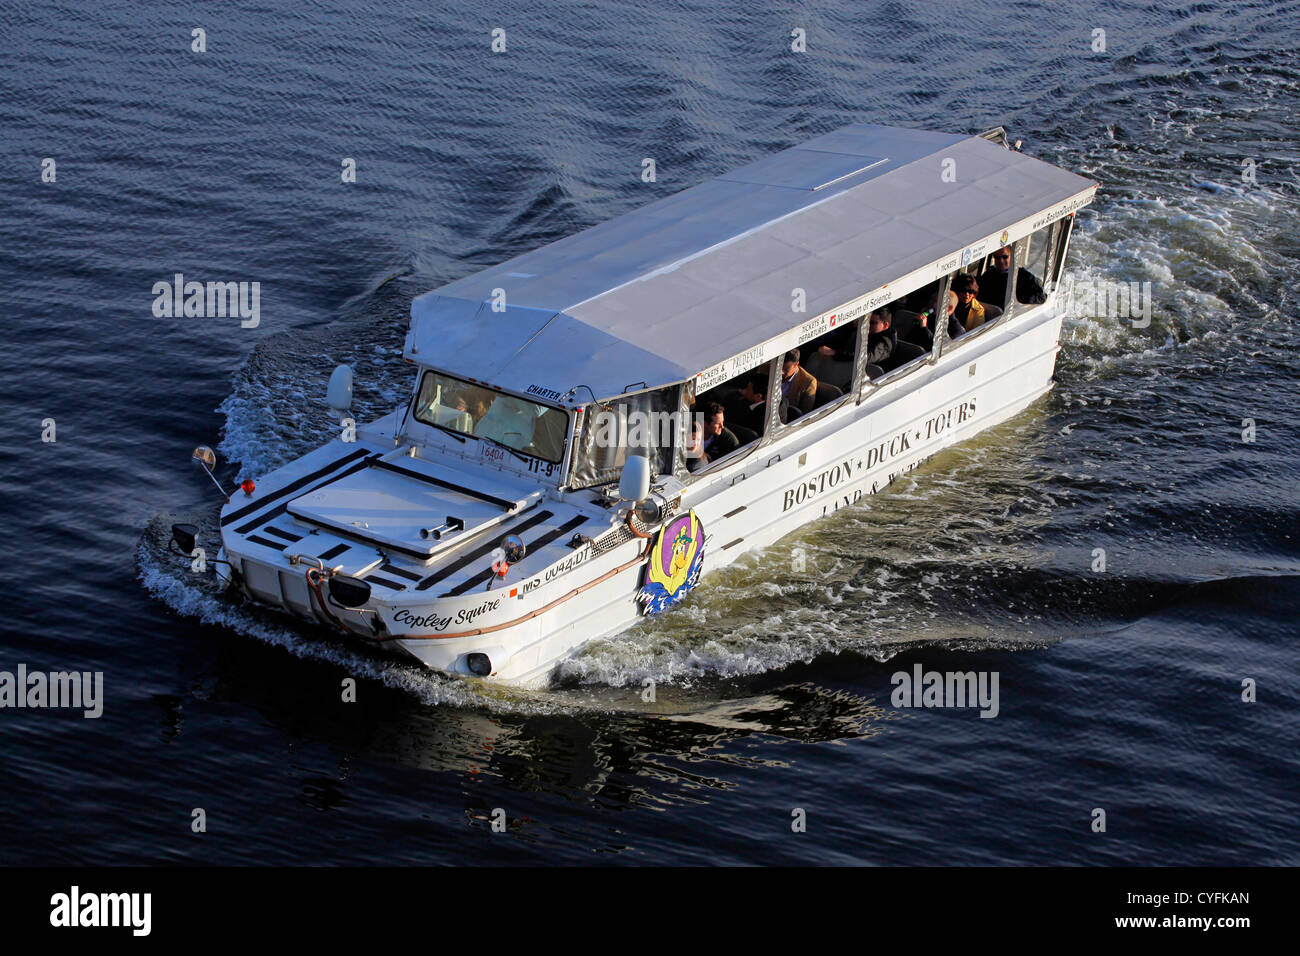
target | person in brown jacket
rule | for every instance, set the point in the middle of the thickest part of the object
(969, 311)
(797, 386)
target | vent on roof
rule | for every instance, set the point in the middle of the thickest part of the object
(996, 135)
(863, 169)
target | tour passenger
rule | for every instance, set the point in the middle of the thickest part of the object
(751, 411)
(452, 413)
(718, 439)
(881, 338)
(797, 386)
(923, 331)
(904, 319)
(969, 311)
(696, 457)
(477, 402)
(993, 284)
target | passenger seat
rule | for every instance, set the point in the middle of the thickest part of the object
(904, 352)
(826, 393)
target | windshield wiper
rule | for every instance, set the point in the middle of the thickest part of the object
(459, 436)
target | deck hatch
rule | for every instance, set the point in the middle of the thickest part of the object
(392, 507)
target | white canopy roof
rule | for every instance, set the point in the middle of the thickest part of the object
(676, 287)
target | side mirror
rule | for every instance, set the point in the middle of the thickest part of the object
(514, 548)
(339, 394)
(634, 482)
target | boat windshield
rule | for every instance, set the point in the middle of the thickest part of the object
(482, 412)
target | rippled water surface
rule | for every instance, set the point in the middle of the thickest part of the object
(1119, 690)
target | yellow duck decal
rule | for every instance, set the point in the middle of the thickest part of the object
(676, 560)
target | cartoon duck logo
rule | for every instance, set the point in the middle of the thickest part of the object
(676, 562)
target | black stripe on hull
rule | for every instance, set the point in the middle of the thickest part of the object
(501, 503)
(481, 552)
(535, 546)
(282, 507)
(400, 572)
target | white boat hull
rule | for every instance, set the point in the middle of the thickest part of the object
(822, 466)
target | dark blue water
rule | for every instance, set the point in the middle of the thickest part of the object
(1119, 690)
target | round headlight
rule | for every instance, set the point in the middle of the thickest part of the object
(649, 511)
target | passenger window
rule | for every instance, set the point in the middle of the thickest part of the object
(911, 320)
(977, 294)
(1034, 261)
(993, 288)
(829, 358)
(728, 418)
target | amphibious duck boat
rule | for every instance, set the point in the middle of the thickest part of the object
(557, 472)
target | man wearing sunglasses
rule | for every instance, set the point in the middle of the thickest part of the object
(993, 283)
